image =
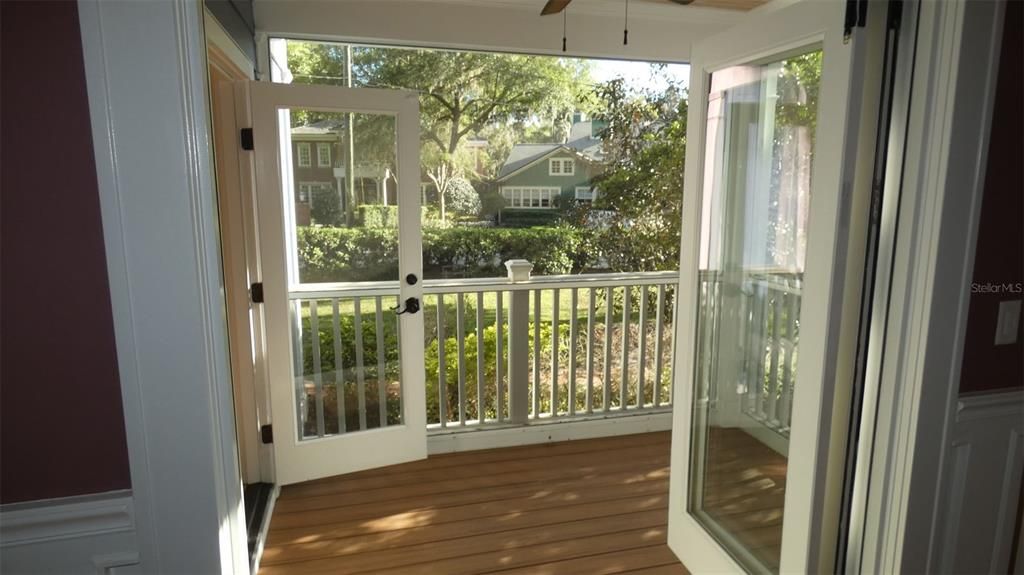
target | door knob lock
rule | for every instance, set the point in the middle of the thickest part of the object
(412, 305)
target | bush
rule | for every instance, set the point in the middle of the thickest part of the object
(515, 218)
(371, 254)
(325, 208)
(376, 216)
(461, 198)
(347, 254)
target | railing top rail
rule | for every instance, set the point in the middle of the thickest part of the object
(473, 285)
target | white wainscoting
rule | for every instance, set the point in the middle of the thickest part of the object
(84, 534)
(981, 485)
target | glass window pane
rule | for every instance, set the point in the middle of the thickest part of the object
(342, 229)
(758, 156)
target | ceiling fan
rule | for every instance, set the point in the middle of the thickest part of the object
(556, 6)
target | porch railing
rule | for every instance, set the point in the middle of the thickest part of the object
(498, 351)
(522, 350)
(761, 367)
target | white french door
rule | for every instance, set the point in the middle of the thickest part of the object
(773, 116)
(343, 331)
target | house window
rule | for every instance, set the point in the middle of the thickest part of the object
(561, 167)
(305, 190)
(530, 197)
(303, 152)
(586, 193)
(323, 155)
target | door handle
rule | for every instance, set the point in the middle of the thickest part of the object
(412, 305)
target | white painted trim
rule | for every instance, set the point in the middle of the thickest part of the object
(553, 192)
(979, 498)
(562, 162)
(989, 405)
(56, 519)
(87, 533)
(159, 214)
(301, 460)
(216, 35)
(484, 438)
(809, 528)
(665, 34)
(947, 143)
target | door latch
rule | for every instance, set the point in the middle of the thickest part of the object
(412, 305)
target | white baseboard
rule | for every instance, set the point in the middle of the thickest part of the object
(82, 534)
(981, 485)
(545, 432)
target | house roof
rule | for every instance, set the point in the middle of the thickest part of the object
(581, 142)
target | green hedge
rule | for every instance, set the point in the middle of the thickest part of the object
(514, 218)
(371, 254)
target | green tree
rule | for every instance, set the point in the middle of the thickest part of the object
(464, 94)
(642, 184)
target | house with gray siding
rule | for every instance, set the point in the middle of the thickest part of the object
(547, 176)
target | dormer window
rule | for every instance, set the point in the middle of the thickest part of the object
(561, 167)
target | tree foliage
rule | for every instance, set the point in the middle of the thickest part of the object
(462, 93)
(462, 198)
(642, 185)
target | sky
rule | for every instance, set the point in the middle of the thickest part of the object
(638, 74)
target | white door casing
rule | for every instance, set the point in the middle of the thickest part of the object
(307, 459)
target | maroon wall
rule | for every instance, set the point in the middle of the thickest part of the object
(61, 424)
(999, 258)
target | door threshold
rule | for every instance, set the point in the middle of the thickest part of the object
(259, 506)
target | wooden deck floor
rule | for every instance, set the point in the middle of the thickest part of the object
(590, 506)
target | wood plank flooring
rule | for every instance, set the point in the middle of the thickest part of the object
(588, 506)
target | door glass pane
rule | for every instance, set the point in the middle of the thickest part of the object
(755, 199)
(341, 230)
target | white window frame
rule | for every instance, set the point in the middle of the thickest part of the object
(590, 193)
(523, 197)
(561, 167)
(323, 155)
(303, 149)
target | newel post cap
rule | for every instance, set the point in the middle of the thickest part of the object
(518, 270)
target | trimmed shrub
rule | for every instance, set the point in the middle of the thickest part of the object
(377, 216)
(518, 218)
(371, 254)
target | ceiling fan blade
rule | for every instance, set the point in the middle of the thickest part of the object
(554, 7)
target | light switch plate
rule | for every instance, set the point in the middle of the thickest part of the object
(1008, 322)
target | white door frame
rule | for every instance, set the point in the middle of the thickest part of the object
(953, 93)
(145, 68)
(817, 435)
(296, 460)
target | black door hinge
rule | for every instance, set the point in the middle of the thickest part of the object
(246, 136)
(267, 433)
(856, 16)
(256, 292)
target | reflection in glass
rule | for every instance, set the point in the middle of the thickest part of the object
(342, 229)
(755, 201)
